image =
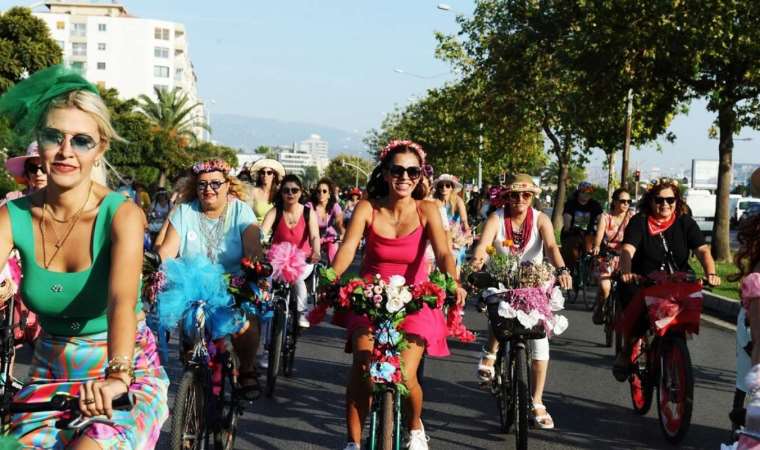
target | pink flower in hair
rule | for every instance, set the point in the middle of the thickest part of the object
(392, 145)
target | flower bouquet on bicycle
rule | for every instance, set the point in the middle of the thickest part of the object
(661, 314)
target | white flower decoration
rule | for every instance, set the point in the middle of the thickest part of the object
(405, 296)
(557, 300)
(560, 324)
(396, 281)
(394, 304)
(506, 311)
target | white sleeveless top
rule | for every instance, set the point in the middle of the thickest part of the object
(534, 251)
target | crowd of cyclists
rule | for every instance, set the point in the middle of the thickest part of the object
(407, 221)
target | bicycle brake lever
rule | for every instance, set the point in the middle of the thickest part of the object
(81, 422)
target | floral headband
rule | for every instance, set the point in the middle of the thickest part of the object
(392, 145)
(214, 165)
(664, 181)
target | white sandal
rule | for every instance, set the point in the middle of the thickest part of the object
(543, 421)
(486, 373)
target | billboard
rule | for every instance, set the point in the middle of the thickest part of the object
(704, 173)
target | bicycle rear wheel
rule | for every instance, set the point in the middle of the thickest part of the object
(275, 349)
(609, 319)
(522, 396)
(188, 430)
(228, 409)
(641, 378)
(675, 388)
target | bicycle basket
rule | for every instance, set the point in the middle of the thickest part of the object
(504, 328)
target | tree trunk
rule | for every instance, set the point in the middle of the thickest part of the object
(162, 179)
(559, 198)
(610, 175)
(721, 239)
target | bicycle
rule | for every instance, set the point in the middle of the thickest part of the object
(660, 359)
(582, 280)
(9, 385)
(283, 335)
(611, 308)
(511, 383)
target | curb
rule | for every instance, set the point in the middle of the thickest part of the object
(720, 307)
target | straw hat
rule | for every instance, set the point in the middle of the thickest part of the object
(268, 163)
(447, 178)
(16, 165)
(522, 182)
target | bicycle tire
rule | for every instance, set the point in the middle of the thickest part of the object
(586, 276)
(228, 415)
(289, 350)
(387, 420)
(640, 381)
(520, 383)
(616, 317)
(189, 411)
(675, 385)
(502, 390)
(610, 306)
(275, 350)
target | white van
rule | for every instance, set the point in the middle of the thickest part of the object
(702, 205)
(741, 205)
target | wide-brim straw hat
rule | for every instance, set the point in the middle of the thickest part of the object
(268, 163)
(16, 164)
(450, 179)
(522, 183)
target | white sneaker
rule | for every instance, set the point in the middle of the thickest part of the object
(303, 322)
(263, 360)
(417, 439)
(352, 446)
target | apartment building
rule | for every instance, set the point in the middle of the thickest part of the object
(317, 148)
(117, 50)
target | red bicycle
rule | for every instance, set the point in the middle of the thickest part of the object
(660, 359)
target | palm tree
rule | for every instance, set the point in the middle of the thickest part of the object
(173, 122)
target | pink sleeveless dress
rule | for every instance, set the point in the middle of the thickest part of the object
(404, 256)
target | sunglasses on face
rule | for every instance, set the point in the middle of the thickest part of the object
(33, 169)
(214, 185)
(291, 191)
(518, 195)
(266, 172)
(662, 200)
(624, 201)
(397, 171)
(447, 185)
(52, 138)
(324, 191)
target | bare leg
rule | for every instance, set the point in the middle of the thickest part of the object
(413, 402)
(85, 443)
(246, 345)
(358, 391)
(538, 380)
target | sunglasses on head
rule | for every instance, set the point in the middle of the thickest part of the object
(519, 195)
(291, 191)
(397, 171)
(624, 201)
(53, 138)
(34, 168)
(215, 185)
(266, 172)
(662, 200)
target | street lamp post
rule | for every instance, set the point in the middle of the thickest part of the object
(358, 170)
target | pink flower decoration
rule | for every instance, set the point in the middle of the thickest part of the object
(288, 262)
(392, 145)
(750, 289)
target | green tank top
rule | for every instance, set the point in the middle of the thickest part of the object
(260, 209)
(67, 303)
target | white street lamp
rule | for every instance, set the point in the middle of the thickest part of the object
(358, 170)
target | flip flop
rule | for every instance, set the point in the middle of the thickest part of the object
(542, 421)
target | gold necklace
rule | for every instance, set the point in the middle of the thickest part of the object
(58, 244)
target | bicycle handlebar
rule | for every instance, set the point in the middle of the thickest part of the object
(67, 403)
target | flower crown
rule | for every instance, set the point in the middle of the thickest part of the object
(392, 145)
(214, 165)
(664, 181)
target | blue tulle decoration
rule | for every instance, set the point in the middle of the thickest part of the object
(190, 282)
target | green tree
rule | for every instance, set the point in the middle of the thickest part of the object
(310, 176)
(25, 46)
(344, 175)
(266, 151)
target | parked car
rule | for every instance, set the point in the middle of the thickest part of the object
(751, 211)
(741, 207)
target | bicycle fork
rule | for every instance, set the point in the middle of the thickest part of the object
(376, 420)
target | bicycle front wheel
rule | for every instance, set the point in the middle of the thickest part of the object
(675, 390)
(188, 429)
(289, 349)
(228, 409)
(388, 420)
(277, 328)
(522, 396)
(641, 378)
(502, 390)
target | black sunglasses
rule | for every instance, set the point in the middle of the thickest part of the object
(266, 172)
(324, 191)
(624, 201)
(34, 168)
(517, 195)
(214, 185)
(291, 191)
(662, 200)
(397, 171)
(50, 138)
(447, 185)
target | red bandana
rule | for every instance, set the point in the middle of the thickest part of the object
(657, 226)
(526, 229)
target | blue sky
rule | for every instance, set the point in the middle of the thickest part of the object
(332, 62)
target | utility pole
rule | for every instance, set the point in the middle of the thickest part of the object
(480, 159)
(627, 145)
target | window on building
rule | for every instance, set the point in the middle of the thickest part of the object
(78, 65)
(161, 87)
(161, 52)
(161, 71)
(60, 25)
(161, 33)
(102, 46)
(178, 73)
(79, 49)
(101, 66)
(101, 27)
(79, 29)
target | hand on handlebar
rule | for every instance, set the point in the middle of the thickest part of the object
(96, 397)
(461, 296)
(595, 251)
(565, 281)
(713, 280)
(477, 264)
(315, 257)
(629, 277)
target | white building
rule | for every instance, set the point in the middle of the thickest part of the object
(295, 159)
(317, 148)
(116, 50)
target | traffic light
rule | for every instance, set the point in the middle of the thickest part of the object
(637, 175)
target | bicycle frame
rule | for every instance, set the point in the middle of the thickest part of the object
(379, 398)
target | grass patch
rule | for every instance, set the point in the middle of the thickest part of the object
(724, 269)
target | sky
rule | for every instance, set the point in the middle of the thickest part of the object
(333, 62)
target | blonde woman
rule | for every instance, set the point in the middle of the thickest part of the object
(95, 343)
(267, 174)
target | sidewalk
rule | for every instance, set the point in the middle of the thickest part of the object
(723, 308)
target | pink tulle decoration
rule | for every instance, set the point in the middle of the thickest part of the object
(456, 327)
(750, 289)
(15, 270)
(288, 262)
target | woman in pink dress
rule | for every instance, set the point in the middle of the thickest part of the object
(397, 225)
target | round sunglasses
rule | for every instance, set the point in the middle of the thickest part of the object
(52, 138)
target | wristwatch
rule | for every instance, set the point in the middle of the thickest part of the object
(561, 270)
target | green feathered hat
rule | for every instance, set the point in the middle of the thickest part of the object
(28, 100)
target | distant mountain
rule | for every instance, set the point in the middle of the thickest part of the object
(247, 133)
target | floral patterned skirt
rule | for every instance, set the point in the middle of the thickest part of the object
(62, 363)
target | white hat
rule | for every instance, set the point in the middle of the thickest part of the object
(268, 163)
(447, 178)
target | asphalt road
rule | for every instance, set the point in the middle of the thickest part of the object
(591, 409)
